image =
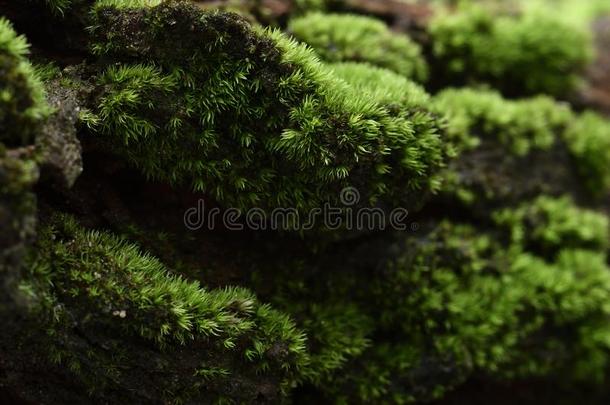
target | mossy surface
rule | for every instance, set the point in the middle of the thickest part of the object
(500, 279)
(549, 224)
(83, 283)
(521, 125)
(264, 124)
(508, 149)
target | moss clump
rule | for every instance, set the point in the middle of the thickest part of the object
(477, 116)
(404, 100)
(345, 38)
(407, 318)
(22, 105)
(497, 310)
(249, 116)
(61, 6)
(518, 54)
(92, 287)
(509, 150)
(588, 139)
(506, 137)
(453, 302)
(550, 224)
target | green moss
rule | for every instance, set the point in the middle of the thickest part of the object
(46, 71)
(508, 150)
(251, 117)
(254, 119)
(406, 319)
(588, 139)
(93, 281)
(552, 224)
(498, 310)
(344, 38)
(338, 333)
(22, 106)
(382, 85)
(402, 98)
(572, 296)
(526, 54)
(476, 116)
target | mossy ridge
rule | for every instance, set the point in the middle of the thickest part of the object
(521, 125)
(109, 291)
(309, 136)
(526, 54)
(345, 37)
(522, 148)
(549, 224)
(403, 99)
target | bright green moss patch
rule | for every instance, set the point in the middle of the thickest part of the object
(497, 310)
(252, 117)
(588, 139)
(525, 54)
(426, 312)
(556, 223)
(92, 280)
(22, 106)
(522, 125)
(344, 38)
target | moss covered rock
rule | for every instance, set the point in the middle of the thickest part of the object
(249, 116)
(501, 279)
(119, 320)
